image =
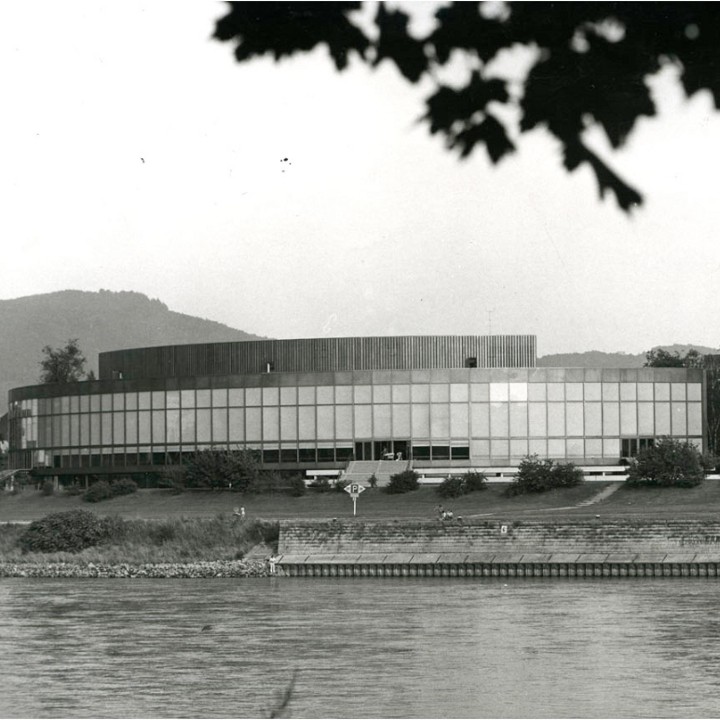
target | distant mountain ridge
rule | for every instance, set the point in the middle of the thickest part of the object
(103, 320)
(597, 358)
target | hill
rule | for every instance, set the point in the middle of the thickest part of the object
(101, 321)
(596, 358)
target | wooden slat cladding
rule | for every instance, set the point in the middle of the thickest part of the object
(320, 355)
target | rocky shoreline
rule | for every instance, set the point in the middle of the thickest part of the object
(213, 569)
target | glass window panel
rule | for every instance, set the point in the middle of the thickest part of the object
(172, 399)
(202, 399)
(694, 418)
(611, 447)
(95, 402)
(662, 418)
(679, 418)
(270, 396)
(694, 391)
(611, 418)
(459, 420)
(306, 422)
(480, 415)
(420, 421)
(628, 418)
(343, 421)
(288, 423)
(555, 391)
(537, 391)
(593, 391)
(537, 446)
(144, 435)
(325, 395)
(65, 430)
(118, 428)
(499, 392)
(271, 423)
(172, 431)
(343, 394)
(575, 448)
(85, 429)
(593, 448)
(644, 391)
(219, 397)
(236, 425)
(202, 420)
(537, 419)
(105, 402)
(158, 426)
(158, 399)
(253, 423)
(381, 420)
(363, 393)
(187, 426)
(498, 419)
(556, 448)
(519, 419)
(118, 401)
(252, 397)
(574, 391)
(646, 418)
(628, 391)
(574, 424)
(401, 393)
(440, 420)
(518, 448)
(677, 391)
(363, 421)
(288, 396)
(56, 432)
(219, 425)
(500, 450)
(325, 422)
(236, 397)
(458, 392)
(381, 394)
(518, 391)
(610, 391)
(401, 421)
(187, 399)
(662, 391)
(480, 392)
(556, 418)
(593, 418)
(439, 393)
(306, 396)
(420, 393)
(84, 404)
(480, 449)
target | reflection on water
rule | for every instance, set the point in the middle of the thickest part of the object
(363, 647)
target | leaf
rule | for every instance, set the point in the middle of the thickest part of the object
(396, 44)
(489, 132)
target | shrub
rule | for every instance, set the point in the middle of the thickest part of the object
(297, 486)
(48, 487)
(321, 484)
(269, 481)
(669, 463)
(123, 486)
(340, 484)
(172, 478)
(451, 487)
(98, 491)
(475, 482)
(403, 482)
(221, 468)
(69, 531)
(535, 475)
(74, 488)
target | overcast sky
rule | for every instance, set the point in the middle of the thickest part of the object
(137, 155)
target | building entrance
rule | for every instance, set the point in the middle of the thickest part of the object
(389, 449)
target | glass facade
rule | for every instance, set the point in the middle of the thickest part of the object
(480, 417)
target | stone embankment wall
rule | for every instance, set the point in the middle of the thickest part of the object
(589, 547)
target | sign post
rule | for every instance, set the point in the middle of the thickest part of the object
(354, 489)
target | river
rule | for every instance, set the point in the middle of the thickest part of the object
(361, 647)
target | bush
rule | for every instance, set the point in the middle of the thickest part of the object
(403, 482)
(321, 484)
(451, 487)
(475, 482)
(535, 476)
(48, 487)
(123, 486)
(237, 469)
(98, 491)
(173, 478)
(297, 486)
(268, 481)
(74, 488)
(69, 531)
(669, 463)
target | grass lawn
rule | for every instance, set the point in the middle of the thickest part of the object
(703, 500)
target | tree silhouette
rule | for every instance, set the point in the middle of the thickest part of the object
(591, 62)
(63, 365)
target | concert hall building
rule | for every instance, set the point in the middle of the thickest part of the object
(438, 401)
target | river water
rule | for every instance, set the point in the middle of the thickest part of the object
(362, 647)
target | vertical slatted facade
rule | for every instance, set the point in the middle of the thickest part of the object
(321, 355)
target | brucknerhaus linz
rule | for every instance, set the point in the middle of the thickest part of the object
(316, 404)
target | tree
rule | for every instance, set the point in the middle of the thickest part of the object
(63, 365)
(237, 469)
(535, 475)
(663, 358)
(668, 463)
(590, 62)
